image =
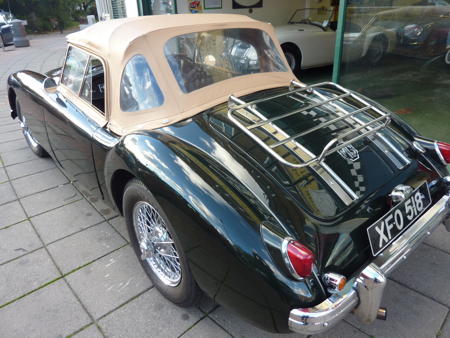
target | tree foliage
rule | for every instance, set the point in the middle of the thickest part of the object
(48, 15)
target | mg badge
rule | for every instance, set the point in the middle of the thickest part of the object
(349, 153)
(400, 192)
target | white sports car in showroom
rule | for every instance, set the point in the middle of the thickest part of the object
(308, 38)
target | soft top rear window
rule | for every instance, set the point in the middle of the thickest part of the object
(203, 58)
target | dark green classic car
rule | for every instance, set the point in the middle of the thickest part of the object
(287, 203)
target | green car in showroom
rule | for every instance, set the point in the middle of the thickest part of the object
(286, 203)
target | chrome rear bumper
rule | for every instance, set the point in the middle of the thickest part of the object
(363, 293)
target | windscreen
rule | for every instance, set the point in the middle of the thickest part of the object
(204, 58)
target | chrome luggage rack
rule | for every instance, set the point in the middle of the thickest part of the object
(238, 110)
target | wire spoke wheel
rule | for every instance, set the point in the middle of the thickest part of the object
(156, 245)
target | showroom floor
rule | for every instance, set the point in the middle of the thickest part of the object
(66, 266)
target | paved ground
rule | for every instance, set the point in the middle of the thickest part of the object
(66, 267)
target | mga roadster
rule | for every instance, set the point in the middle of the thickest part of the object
(286, 203)
(308, 39)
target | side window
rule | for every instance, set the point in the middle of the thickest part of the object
(93, 89)
(74, 69)
(138, 87)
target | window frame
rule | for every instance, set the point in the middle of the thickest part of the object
(128, 60)
(86, 69)
(77, 94)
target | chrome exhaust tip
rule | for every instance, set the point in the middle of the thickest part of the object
(382, 313)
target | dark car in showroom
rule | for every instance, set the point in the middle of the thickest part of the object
(411, 31)
(286, 203)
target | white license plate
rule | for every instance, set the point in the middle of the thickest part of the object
(384, 231)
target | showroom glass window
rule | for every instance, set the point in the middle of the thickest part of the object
(398, 53)
(203, 58)
(138, 87)
(74, 68)
(93, 89)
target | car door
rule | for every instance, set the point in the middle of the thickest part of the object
(317, 47)
(78, 111)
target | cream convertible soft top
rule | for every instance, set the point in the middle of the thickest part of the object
(116, 41)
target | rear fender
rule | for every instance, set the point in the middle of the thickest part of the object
(218, 226)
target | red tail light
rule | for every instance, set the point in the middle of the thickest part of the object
(443, 150)
(299, 258)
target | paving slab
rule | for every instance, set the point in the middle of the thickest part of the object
(149, 314)
(83, 247)
(445, 332)
(13, 146)
(6, 118)
(66, 220)
(32, 184)
(206, 328)
(238, 327)
(427, 270)
(409, 315)
(25, 274)
(52, 311)
(90, 332)
(119, 224)
(50, 199)
(206, 304)
(18, 156)
(440, 239)
(11, 213)
(17, 240)
(105, 209)
(9, 127)
(3, 176)
(10, 136)
(343, 330)
(30, 167)
(109, 282)
(7, 193)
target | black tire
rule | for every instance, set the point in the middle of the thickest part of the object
(377, 50)
(186, 292)
(293, 57)
(447, 57)
(35, 147)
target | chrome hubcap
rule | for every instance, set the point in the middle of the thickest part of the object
(447, 57)
(156, 244)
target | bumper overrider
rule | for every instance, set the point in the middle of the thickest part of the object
(363, 293)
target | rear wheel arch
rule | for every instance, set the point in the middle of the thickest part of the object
(119, 180)
(12, 102)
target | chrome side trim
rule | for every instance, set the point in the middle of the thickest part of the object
(364, 292)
